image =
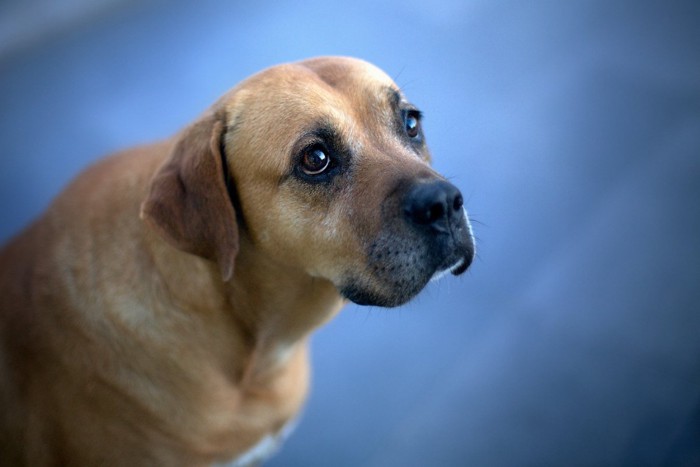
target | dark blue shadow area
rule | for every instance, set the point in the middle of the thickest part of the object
(573, 129)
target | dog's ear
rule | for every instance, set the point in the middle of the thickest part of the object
(188, 202)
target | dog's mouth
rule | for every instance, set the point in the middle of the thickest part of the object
(456, 269)
(458, 263)
(426, 235)
(398, 270)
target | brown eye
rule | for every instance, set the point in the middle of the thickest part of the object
(315, 161)
(412, 125)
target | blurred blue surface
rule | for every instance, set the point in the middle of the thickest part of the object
(573, 128)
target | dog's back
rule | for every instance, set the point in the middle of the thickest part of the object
(52, 276)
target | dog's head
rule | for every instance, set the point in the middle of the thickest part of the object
(326, 164)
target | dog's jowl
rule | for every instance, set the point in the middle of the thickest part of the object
(158, 313)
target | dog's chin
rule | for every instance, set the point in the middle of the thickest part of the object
(368, 296)
(396, 291)
(386, 291)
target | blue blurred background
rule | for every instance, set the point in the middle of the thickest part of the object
(573, 128)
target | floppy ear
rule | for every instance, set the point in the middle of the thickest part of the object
(188, 201)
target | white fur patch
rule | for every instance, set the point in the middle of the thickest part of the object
(265, 448)
(440, 274)
(471, 231)
(258, 453)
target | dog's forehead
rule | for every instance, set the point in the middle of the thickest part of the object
(322, 83)
(345, 71)
(365, 86)
(287, 99)
(271, 112)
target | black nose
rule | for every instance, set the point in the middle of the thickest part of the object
(434, 204)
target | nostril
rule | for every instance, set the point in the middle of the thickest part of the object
(435, 213)
(458, 202)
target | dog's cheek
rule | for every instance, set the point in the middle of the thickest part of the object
(397, 270)
(306, 233)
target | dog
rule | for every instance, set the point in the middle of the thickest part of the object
(158, 313)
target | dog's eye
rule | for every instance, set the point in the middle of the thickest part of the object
(412, 123)
(315, 161)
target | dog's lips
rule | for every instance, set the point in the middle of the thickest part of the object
(405, 257)
(459, 261)
(461, 266)
(456, 268)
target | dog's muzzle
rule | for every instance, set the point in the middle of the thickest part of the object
(436, 209)
(426, 235)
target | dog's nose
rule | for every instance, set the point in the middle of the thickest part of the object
(434, 204)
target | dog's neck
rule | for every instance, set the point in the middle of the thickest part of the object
(277, 306)
(267, 310)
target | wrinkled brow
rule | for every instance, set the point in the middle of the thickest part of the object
(398, 101)
(395, 97)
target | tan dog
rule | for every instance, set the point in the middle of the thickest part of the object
(158, 313)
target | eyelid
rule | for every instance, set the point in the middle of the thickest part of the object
(412, 111)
